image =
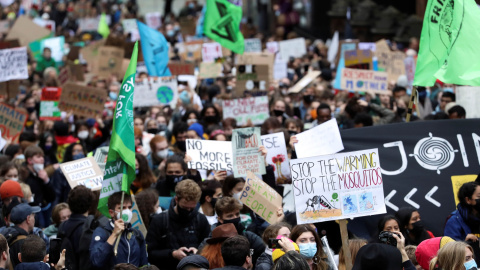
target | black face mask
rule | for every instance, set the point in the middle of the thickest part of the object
(308, 98)
(152, 131)
(235, 222)
(477, 205)
(174, 179)
(30, 109)
(292, 132)
(418, 227)
(278, 112)
(213, 202)
(181, 145)
(183, 213)
(210, 119)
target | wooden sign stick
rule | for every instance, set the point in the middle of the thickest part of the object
(345, 247)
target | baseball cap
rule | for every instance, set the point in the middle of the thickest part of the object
(194, 260)
(22, 211)
(9, 189)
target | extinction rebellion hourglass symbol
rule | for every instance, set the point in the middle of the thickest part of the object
(434, 153)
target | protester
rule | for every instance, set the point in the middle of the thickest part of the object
(310, 246)
(5, 254)
(236, 253)
(33, 254)
(454, 255)
(428, 249)
(354, 245)
(211, 192)
(212, 251)
(413, 228)
(193, 262)
(176, 170)
(148, 204)
(144, 176)
(291, 260)
(265, 261)
(61, 212)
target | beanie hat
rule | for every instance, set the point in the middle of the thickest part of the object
(197, 128)
(378, 257)
(428, 249)
(9, 189)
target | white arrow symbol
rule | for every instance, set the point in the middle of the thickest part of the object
(409, 195)
(387, 200)
(428, 197)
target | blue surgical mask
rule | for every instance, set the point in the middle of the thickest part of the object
(448, 89)
(470, 265)
(113, 95)
(136, 171)
(170, 33)
(78, 156)
(308, 250)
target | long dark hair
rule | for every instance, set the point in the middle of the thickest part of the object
(68, 155)
(146, 201)
(318, 259)
(50, 154)
(404, 215)
(145, 176)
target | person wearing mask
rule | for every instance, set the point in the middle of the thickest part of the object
(63, 138)
(210, 118)
(211, 191)
(4, 253)
(174, 234)
(157, 157)
(49, 146)
(144, 177)
(278, 110)
(42, 188)
(412, 226)
(213, 249)
(176, 170)
(191, 117)
(236, 254)
(180, 134)
(132, 247)
(454, 255)
(9, 171)
(311, 247)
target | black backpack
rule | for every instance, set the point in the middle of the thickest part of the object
(83, 251)
(71, 259)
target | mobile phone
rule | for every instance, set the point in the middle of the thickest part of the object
(55, 249)
(273, 243)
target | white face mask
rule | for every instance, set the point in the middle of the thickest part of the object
(163, 153)
(14, 179)
(237, 196)
(38, 167)
(83, 134)
(126, 215)
(159, 210)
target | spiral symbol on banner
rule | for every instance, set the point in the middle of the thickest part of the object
(434, 153)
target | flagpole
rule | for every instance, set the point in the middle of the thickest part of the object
(120, 235)
(411, 103)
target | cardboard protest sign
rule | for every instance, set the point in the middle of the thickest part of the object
(246, 154)
(469, 97)
(210, 155)
(254, 109)
(179, 68)
(211, 51)
(458, 181)
(304, 82)
(258, 59)
(188, 25)
(339, 186)
(390, 61)
(12, 122)
(137, 221)
(90, 54)
(48, 24)
(49, 104)
(210, 70)
(323, 139)
(156, 91)
(9, 89)
(83, 172)
(4, 26)
(26, 31)
(82, 100)
(190, 51)
(410, 67)
(292, 48)
(153, 20)
(13, 64)
(252, 78)
(261, 198)
(56, 44)
(364, 80)
(359, 59)
(345, 45)
(88, 24)
(110, 61)
(253, 45)
(277, 156)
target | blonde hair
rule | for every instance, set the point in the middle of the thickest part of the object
(451, 256)
(27, 192)
(188, 190)
(354, 245)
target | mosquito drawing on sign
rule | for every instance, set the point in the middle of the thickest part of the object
(317, 203)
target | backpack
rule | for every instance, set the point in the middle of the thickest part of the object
(18, 238)
(83, 251)
(71, 259)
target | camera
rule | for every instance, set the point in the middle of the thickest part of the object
(386, 237)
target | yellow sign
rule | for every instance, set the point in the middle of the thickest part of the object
(458, 181)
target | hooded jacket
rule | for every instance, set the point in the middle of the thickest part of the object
(457, 225)
(169, 231)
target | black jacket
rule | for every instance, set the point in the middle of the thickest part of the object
(73, 229)
(43, 193)
(168, 232)
(166, 189)
(32, 266)
(229, 267)
(11, 234)
(264, 262)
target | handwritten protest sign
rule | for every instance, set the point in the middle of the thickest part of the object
(209, 70)
(359, 59)
(339, 186)
(272, 47)
(13, 64)
(253, 45)
(254, 109)
(83, 172)
(48, 24)
(211, 51)
(137, 221)
(110, 61)
(261, 198)
(252, 78)
(190, 51)
(210, 155)
(304, 82)
(246, 154)
(390, 61)
(26, 31)
(367, 46)
(88, 24)
(153, 20)
(179, 68)
(323, 139)
(90, 54)
(410, 66)
(82, 100)
(156, 91)
(458, 181)
(49, 104)
(188, 25)
(12, 122)
(292, 48)
(277, 156)
(280, 69)
(345, 45)
(258, 59)
(364, 80)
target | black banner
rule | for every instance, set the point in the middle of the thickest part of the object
(418, 160)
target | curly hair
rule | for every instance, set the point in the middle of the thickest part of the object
(79, 199)
(188, 190)
(213, 253)
(146, 201)
(227, 205)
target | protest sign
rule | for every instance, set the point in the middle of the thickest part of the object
(258, 59)
(390, 61)
(469, 97)
(410, 66)
(4, 26)
(261, 198)
(9, 89)
(146, 6)
(90, 54)
(129, 25)
(190, 51)
(13, 64)
(56, 45)
(49, 104)
(26, 31)
(364, 80)
(246, 153)
(83, 172)
(338, 186)
(306, 80)
(82, 100)
(211, 51)
(253, 45)
(137, 221)
(292, 48)
(88, 24)
(156, 91)
(280, 69)
(179, 68)
(210, 70)
(101, 155)
(323, 139)
(458, 181)
(277, 156)
(272, 47)
(188, 25)
(48, 24)
(210, 155)
(345, 45)
(367, 46)
(110, 61)
(6, 44)
(252, 78)
(254, 109)
(359, 59)
(153, 20)
(12, 122)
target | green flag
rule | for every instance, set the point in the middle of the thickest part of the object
(120, 167)
(449, 44)
(103, 28)
(222, 24)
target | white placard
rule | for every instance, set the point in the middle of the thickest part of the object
(210, 155)
(321, 140)
(244, 109)
(84, 172)
(272, 47)
(277, 156)
(156, 91)
(153, 20)
(253, 45)
(292, 48)
(367, 46)
(13, 64)
(211, 51)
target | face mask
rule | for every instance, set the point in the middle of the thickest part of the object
(422, 94)
(418, 227)
(477, 205)
(14, 179)
(278, 112)
(191, 121)
(183, 213)
(185, 97)
(213, 202)
(174, 179)
(48, 147)
(308, 250)
(237, 196)
(210, 119)
(162, 153)
(162, 127)
(292, 132)
(22, 156)
(448, 89)
(470, 265)
(38, 167)
(181, 145)
(126, 215)
(284, 92)
(308, 98)
(30, 109)
(78, 156)
(159, 210)
(113, 95)
(136, 171)
(152, 130)
(171, 33)
(191, 5)
(82, 135)
(235, 222)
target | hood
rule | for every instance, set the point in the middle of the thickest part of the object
(174, 216)
(428, 249)
(32, 266)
